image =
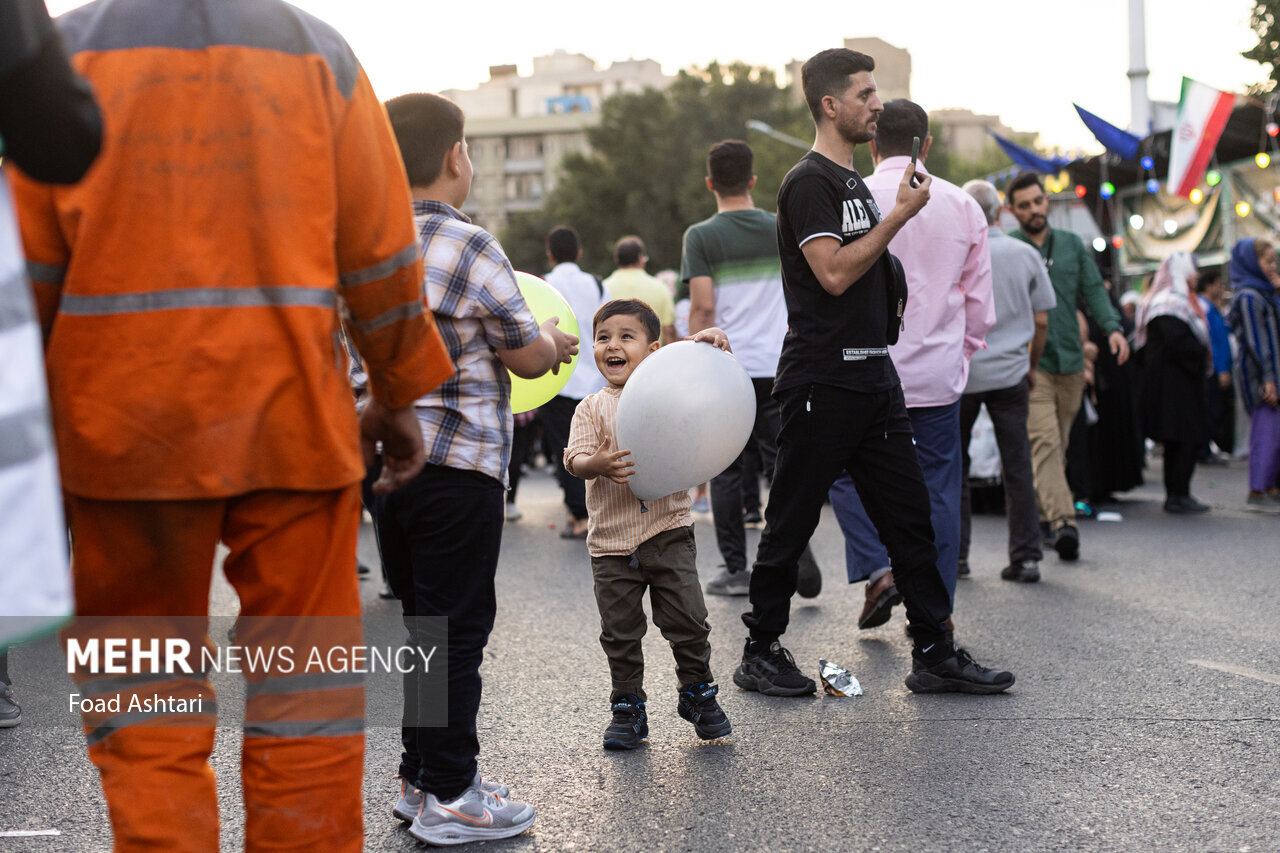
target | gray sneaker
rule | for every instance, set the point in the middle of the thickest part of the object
(730, 583)
(1263, 503)
(10, 713)
(406, 807)
(475, 815)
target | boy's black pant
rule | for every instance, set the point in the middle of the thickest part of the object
(826, 430)
(440, 536)
(667, 565)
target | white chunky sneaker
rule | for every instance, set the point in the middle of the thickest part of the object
(475, 815)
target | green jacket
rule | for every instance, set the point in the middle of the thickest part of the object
(1074, 274)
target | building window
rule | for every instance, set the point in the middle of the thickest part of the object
(524, 188)
(524, 147)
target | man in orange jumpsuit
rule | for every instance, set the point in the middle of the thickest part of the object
(249, 200)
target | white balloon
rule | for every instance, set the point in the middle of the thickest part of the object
(685, 414)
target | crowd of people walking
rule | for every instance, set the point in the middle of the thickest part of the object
(252, 209)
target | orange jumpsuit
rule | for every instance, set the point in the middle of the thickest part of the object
(248, 200)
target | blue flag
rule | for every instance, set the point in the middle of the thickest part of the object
(1027, 159)
(1117, 141)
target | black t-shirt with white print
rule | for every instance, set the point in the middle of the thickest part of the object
(831, 340)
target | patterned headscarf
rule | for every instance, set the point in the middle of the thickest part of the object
(1171, 296)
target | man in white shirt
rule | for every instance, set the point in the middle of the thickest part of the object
(584, 293)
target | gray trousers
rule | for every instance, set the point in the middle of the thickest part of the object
(666, 566)
(1008, 410)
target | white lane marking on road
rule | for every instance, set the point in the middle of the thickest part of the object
(27, 833)
(1238, 670)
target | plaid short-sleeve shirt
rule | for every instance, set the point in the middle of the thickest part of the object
(471, 288)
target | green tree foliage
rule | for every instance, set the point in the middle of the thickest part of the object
(1264, 21)
(645, 172)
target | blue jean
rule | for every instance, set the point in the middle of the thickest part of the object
(937, 439)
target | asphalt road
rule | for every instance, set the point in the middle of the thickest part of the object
(1146, 715)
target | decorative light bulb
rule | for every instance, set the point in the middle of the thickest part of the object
(1242, 208)
(1196, 196)
(1099, 244)
(1263, 159)
(1136, 222)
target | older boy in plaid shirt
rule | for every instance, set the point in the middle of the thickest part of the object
(440, 535)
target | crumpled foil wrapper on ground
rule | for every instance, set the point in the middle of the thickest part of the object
(836, 680)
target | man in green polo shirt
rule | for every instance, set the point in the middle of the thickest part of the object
(1058, 385)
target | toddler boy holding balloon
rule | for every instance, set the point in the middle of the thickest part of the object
(636, 545)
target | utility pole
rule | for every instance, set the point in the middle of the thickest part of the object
(1140, 103)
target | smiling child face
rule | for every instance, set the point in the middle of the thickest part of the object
(621, 343)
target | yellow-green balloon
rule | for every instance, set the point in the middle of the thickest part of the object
(545, 302)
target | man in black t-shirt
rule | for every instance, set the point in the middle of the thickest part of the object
(841, 404)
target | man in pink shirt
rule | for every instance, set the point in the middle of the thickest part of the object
(944, 252)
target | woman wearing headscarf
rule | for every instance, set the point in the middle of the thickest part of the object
(1255, 321)
(1174, 337)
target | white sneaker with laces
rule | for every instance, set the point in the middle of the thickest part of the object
(410, 801)
(475, 815)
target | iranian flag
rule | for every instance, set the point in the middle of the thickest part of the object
(1202, 114)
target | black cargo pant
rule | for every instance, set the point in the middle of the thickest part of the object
(827, 430)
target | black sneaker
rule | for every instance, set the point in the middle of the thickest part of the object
(809, 577)
(957, 674)
(962, 569)
(772, 672)
(1067, 542)
(698, 705)
(629, 726)
(1185, 505)
(752, 518)
(1028, 571)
